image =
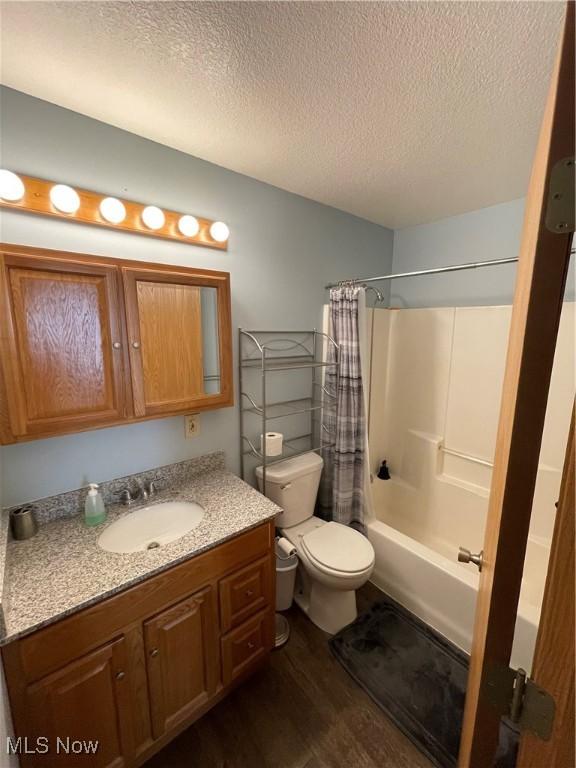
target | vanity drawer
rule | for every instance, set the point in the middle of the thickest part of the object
(245, 592)
(246, 645)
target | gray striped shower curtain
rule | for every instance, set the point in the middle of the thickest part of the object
(342, 495)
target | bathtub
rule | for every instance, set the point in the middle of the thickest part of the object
(439, 591)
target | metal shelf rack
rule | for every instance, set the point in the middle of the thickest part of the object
(269, 352)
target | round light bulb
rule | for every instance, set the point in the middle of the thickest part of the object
(188, 225)
(11, 186)
(219, 231)
(64, 198)
(113, 210)
(153, 217)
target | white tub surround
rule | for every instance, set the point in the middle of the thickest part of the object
(435, 400)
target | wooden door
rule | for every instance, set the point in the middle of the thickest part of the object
(164, 314)
(62, 353)
(553, 667)
(182, 660)
(83, 711)
(542, 269)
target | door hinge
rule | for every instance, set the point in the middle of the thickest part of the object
(513, 694)
(560, 208)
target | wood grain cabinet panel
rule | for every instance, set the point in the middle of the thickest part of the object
(88, 341)
(57, 711)
(164, 321)
(181, 646)
(64, 363)
(170, 322)
(245, 592)
(246, 645)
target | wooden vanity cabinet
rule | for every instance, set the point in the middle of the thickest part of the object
(88, 342)
(137, 668)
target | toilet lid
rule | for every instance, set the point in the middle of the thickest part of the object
(339, 548)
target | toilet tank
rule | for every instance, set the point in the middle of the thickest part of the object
(293, 485)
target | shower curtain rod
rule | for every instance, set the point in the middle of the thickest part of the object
(437, 270)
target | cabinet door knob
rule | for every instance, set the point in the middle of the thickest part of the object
(251, 645)
(120, 675)
(249, 592)
(116, 345)
(136, 344)
(154, 652)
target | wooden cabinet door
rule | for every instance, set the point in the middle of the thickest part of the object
(164, 316)
(83, 711)
(182, 658)
(62, 354)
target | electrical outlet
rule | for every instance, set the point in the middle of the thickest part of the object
(192, 425)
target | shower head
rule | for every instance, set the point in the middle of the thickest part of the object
(379, 296)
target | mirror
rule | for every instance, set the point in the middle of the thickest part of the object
(210, 341)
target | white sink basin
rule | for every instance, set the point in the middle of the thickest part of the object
(151, 527)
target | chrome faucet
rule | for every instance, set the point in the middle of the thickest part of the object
(126, 497)
(144, 492)
(147, 489)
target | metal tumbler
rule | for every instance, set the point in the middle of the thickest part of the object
(23, 522)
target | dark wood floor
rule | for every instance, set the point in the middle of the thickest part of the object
(302, 711)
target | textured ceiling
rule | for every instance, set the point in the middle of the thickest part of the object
(399, 112)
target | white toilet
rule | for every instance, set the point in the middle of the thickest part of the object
(335, 560)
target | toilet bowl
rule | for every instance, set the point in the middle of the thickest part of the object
(334, 560)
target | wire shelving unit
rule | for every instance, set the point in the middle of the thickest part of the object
(272, 353)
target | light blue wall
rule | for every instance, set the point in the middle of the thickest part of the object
(283, 250)
(489, 233)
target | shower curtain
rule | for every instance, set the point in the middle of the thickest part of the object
(345, 494)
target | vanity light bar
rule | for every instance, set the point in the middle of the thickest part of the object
(49, 198)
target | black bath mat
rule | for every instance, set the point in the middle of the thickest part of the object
(416, 676)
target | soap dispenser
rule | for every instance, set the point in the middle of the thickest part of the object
(384, 472)
(94, 511)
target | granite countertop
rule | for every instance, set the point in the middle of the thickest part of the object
(61, 569)
(4, 537)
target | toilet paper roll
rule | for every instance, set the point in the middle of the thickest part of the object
(273, 443)
(285, 547)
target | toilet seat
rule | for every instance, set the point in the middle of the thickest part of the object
(334, 561)
(338, 549)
